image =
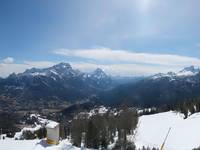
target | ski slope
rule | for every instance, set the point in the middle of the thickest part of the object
(184, 134)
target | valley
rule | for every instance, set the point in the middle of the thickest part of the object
(76, 100)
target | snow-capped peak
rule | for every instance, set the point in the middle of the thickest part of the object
(188, 71)
(98, 71)
(34, 72)
(60, 70)
(99, 74)
(62, 66)
(161, 75)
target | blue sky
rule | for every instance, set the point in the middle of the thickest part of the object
(34, 33)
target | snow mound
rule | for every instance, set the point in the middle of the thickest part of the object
(10, 144)
(184, 134)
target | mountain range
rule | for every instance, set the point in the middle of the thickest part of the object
(158, 89)
(61, 83)
(54, 84)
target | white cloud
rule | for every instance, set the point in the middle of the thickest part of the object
(112, 69)
(126, 63)
(107, 55)
(8, 60)
(124, 69)
(39, 64)
(8, 68)
(114, 62)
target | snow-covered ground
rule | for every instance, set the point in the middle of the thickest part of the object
(184, 134)
(151, 132)
(11, 144)
(37, 144)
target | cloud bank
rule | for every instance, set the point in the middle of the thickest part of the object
(8, 60)
(113, 62)
(128, 63)
(7, 66)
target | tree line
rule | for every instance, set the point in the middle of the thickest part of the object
(100, 130)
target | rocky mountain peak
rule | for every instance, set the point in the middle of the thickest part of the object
(62, 65)
(99, 74)
(188, 71)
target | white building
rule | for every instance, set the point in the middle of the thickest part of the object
(52, 132)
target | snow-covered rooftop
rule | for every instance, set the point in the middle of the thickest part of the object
(52, 124)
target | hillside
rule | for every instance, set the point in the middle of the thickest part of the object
(150, 132)
(184, 134)
(158, 89)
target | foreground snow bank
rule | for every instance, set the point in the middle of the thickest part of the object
(151, 131)
(184, 134)
(11, 144)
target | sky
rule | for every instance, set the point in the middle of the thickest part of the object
(123, 37)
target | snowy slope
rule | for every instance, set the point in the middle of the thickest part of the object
(11, 144)
(37, 144)
(184, 134)
(151, 132)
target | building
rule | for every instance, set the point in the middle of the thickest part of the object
(52, 132)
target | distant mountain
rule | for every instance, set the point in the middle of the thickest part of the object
(99, 79)
(43, 88)
(188, 71)
(120, 80)
(157, 89)
(57, 83)
(61, 70)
